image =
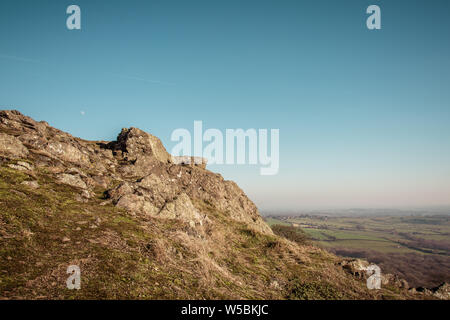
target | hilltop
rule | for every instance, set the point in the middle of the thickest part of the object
(141, 225)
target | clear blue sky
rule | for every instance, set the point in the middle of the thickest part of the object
(364, 116)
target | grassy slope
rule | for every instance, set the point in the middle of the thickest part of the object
(385, 240)
(121, 256)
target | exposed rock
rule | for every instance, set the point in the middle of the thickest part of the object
(150, 182)
(136, 142)
(13, 119)
(106, 202)
(85, 194)
(442, 291)
(102, 181)
(72, 180)
(137, 204)
(190, 161)
(393, 280)
(21, 165)
(160, 190)
(120, 191)
(12, 147)
(31, 184)
(25, 165)
(67, 152)
(16, 167)
(182, 209)
(138, 167)
(76, 171)
(412, 291)
(33, 140)
(356, 267)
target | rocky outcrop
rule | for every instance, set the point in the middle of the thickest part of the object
(21, 165)
(190, 161)
(182, 208)
(72, 180)
(394, 280)
(12, 147)
(441, 292)
(67, 153)
(359, 267)
(137, 143)
(139, 175)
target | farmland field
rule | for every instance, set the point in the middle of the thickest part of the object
(416, 248)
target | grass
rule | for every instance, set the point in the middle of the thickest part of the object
(377, 233)
(415, 247)
(123, 256)
(314, 291)
(273, 221)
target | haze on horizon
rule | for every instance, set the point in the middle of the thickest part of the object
(364, 116)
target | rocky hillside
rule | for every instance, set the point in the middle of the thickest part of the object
(142, 225)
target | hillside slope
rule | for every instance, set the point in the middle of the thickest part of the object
(140, 226)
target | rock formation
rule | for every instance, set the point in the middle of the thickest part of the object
(359, 267)
(149, 181)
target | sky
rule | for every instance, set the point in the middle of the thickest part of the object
(363, 115)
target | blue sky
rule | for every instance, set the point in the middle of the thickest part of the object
(364, 116)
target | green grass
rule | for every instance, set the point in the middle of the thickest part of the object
(273, 221)
(375, 233)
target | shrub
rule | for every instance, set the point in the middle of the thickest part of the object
(291, 233)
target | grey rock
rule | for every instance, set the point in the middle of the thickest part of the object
(31, 184)
(72, 180)
(12, 147)
(442, 291)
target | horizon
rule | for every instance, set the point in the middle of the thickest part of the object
(363, 115)
(355, 212)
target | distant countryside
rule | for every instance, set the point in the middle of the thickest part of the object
(417, 248)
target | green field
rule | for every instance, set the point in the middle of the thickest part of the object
(415, 247)
(384, 234)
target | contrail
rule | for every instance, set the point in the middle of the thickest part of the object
(123, 76)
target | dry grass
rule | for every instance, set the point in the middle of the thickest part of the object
(123, 256)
